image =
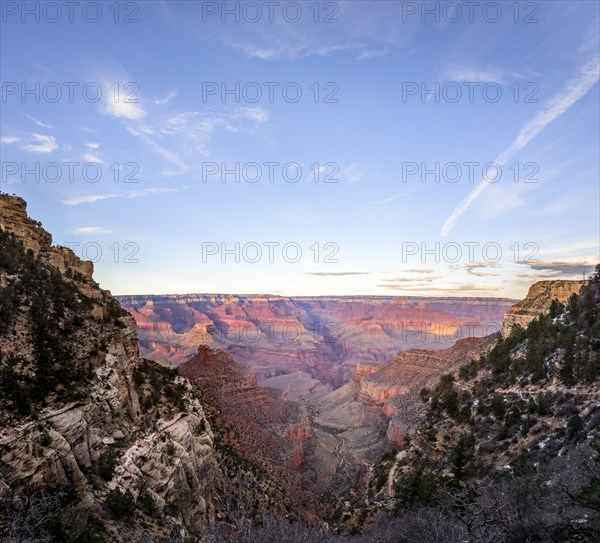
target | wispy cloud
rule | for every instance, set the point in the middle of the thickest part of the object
(256, 114)
(92, 155)
(83, 230)
(409, 270)
(169, 156)
(567, 266)
(302, 47)
(452, 289)
(91, 198)
(8, 140)
(122, 104)
(38, 122)
(391, 198)
(373, 53)
(166, 99)
(474, 268)
(351, 174)
(365, 29)
(412, 280)
(479, 74)
(190, 131)
(41, 144)
(336, 274)
(561, 102)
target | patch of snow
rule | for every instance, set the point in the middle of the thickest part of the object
(542, 444)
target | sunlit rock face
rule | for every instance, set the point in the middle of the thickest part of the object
(323, 336)
(537, 302)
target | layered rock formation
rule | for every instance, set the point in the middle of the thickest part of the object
(397, 384)
(385, 398)
(537, 302)
(257, 423)
(13, 218)
(78, 409)
(323, 336)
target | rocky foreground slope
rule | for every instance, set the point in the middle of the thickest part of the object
(509, 447)
(81, 414)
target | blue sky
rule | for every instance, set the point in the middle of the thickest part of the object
(365, 117)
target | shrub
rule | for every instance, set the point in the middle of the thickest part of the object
(120, 504)
(147, 503)
(107, 462)
(574, 426)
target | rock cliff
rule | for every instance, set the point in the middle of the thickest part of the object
(81, 412)
(537, 302)
(516, 431)
(258, 424)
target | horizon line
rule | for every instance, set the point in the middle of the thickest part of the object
(267, 295)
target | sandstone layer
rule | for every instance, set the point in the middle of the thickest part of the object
(537, 302)
(322, 336)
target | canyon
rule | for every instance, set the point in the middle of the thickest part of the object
(325, 337)
(352, 367)
(276, 404)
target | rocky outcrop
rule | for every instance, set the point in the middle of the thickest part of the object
(13, 218)
(537, 302)
(270, 427)
(175, 465)
(164, 448)
(363, 369)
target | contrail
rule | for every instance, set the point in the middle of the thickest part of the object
(569, 95)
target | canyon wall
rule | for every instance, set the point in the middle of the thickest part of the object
(537, 302)
(323, 336)
(74, 392)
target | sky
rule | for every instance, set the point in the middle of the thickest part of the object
(308, 148)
